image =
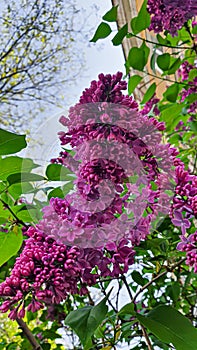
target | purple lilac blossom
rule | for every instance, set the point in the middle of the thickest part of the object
(192, 85)
(47, 271)
(170, 15)
(189, 245)
(52, 264)
(113, 143)
(184, 207)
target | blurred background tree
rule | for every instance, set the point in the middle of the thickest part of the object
(39, 56)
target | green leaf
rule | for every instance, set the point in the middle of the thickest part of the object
(172, 115)
(56, 193)
(12, 346)
(102, 32)
(163, 61)
(17, 189)
(133, 82)
(138, 278)
(67, 187)
(10, 243)
(192, 74)
(57, 172)
(14, 164)
(111, 15)
(136, 58)
(29, 215)
(162, 41)
(11, 143)
(142, 21)
(149, 93)
(172, 92)
(24, 177)
(146, 50)
(117, 40)
(174, 66)
(127, 309)
(191, 98)
(170, 326)
(194, 30)
(173, 291)
(85, 321)
(193, 126)
(61, 192)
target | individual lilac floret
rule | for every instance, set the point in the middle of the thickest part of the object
(178, 220)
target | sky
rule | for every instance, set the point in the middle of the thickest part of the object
(99, 57)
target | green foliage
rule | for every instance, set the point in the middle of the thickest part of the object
(117, 40)
(142, 21)
(171, 92)
(86, 320)
(136, 58)
(61, 191)
(10, 243)
(102, 32)
(170, 326)
(134, 80)
(149, 93)
(57, 172)
(14, 164)
(172, 115)
(174, 65)
(24, 177)
(11, 143)
(111, 15)
(163, 61)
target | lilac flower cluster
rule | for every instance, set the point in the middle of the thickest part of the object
(183, 74)
(184, 205)
(47, 271)
(114, 143)
(91, 233)
(170, 15)
(192, 85)
(189, 245)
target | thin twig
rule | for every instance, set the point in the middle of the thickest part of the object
(91, 301)
(170, 80)
(168, 269)
(146, 337)
(148, 284)
(30, 337)
(127, 286)
(105, 294)
(19, 221)
(158, 44)
(191, 36)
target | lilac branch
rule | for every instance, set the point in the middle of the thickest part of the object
(30, 337)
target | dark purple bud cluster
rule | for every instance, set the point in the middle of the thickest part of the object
(47, 271)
